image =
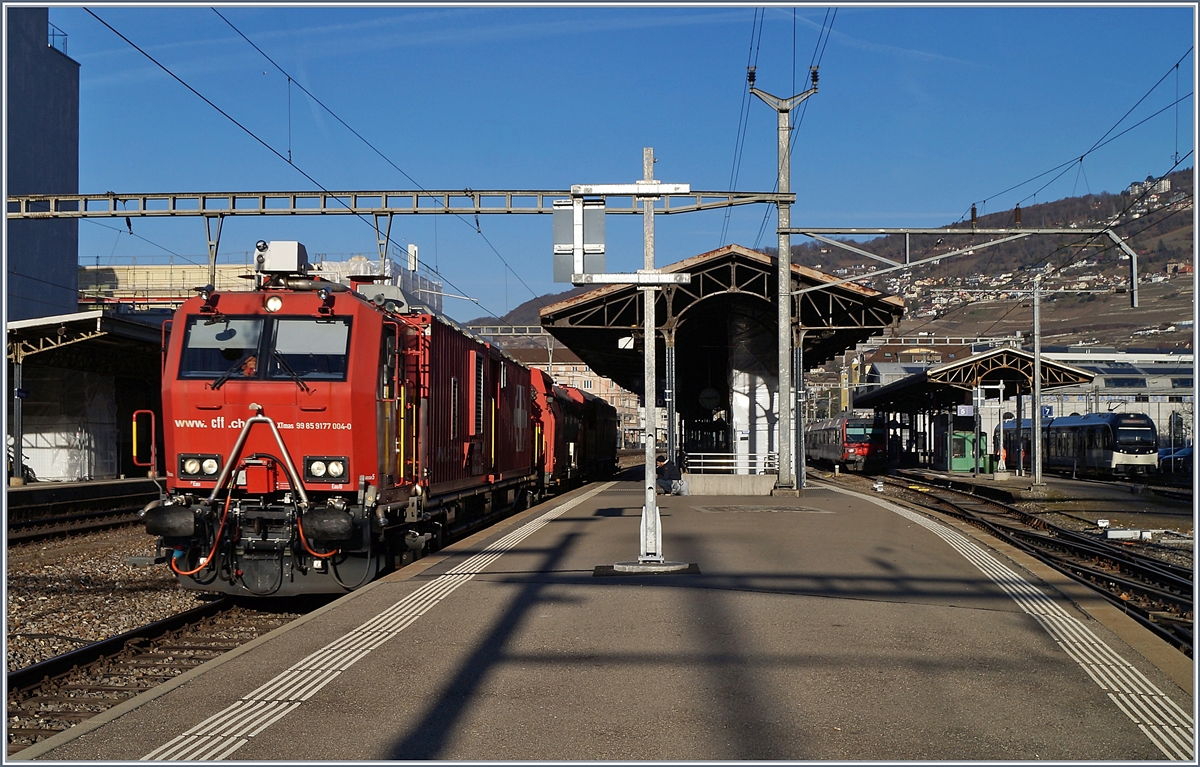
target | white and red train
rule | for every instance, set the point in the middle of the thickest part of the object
(318, 435)
(857, 443)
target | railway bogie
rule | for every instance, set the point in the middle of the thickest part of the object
(319, 435)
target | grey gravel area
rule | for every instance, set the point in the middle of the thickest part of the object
(65, 593)
(1176, 550)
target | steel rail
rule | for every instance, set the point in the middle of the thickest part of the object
(32, 676)
(26, 531)
(54, 695)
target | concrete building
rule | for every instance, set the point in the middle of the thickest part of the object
(137, 287)
(1160, 385)
(42, 91)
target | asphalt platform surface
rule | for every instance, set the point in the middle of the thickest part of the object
(833, 626)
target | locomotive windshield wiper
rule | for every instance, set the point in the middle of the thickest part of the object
(217, 384)
(288, 369)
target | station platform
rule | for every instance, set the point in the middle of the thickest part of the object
(48, 497)
(833, 626)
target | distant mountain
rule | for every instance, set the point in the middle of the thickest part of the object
(527, 313)
(1158, 229)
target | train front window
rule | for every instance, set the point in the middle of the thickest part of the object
(309, 348)
(1136, 436)
(858, 433)
(227, 347)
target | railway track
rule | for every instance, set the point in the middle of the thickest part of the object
(55, 695)
(1155, 593)
(41, 528)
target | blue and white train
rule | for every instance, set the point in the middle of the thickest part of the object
(1107, 444)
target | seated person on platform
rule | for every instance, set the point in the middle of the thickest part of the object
(668, 476)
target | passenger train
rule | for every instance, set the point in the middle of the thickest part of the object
(1105, 444)
(858, 443)
(318, 435)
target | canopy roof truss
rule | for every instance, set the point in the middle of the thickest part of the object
(1009, 364)
(830, 321)
(944, 386)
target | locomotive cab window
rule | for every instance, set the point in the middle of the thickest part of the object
(228, 347)
(860, 433)
(309, 348)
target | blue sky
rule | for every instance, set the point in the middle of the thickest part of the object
(921, 111)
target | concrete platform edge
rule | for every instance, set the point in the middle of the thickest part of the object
(83, 728)
(1173, 663)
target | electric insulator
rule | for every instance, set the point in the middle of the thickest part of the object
(750, 74)
(1018, 215)
(973, 216)
(813, 71)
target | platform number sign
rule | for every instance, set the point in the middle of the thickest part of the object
(1047, 411)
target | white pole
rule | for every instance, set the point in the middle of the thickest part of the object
(1036, 416)
(651, 549)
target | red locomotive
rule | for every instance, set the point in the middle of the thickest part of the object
(319, 435)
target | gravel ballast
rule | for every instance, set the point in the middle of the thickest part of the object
(68, 592)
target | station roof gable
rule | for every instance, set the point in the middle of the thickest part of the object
(948, 384)
(832, 320)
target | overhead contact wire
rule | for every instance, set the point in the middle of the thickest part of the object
(252, 134)
(360, 137)
(1104, 140)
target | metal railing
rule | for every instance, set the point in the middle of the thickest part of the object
(733, 463)
(57, 38)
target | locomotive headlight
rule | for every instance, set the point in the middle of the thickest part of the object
(273, 304)
(326, 468)
(199, 466)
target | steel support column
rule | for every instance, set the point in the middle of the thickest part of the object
(786, 481)
(669, 397)
(17, 477)
(651, 528)
(801, 398)
(1035, 417)
(1020, 438)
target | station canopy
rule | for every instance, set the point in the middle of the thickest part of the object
(730, 303)
(943, 386)
(90, 341)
